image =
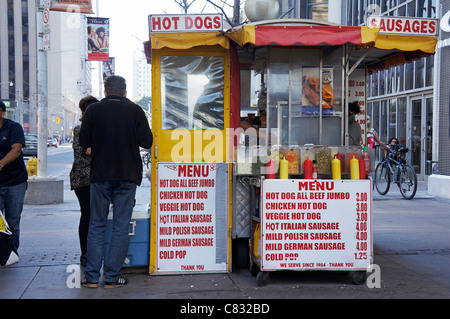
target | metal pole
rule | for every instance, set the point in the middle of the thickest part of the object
(42, 95)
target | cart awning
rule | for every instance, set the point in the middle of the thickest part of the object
(183, 41)
(310, 35)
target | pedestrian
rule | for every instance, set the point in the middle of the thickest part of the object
(13, 174)
(79, 179)
(372, 136)
(354, 129)
(114, 129)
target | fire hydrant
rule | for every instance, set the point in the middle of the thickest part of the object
(32, 166)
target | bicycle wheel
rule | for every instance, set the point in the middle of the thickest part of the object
(408, 181)
(382, 178)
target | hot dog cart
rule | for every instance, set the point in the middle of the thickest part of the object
(236, 115)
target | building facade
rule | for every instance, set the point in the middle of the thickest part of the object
(18, 52)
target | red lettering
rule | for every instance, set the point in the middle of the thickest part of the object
(156, 23)
(188, 23)
(390, 25)
(198, 22)
(432, 27)
(407, 27)
(398, 26)
(217, 23)
(416, 26)
(208, 23)
(166, 23)
(175, 21)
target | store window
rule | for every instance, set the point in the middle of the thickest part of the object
(392, 118)
(318, 9)
(401, 120)
(295, 110)
(193, 92)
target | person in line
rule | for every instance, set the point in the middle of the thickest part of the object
(79, 179)
(114, 129)
(354, 129)
(13, 174)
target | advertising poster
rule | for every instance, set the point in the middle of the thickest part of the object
(313, 225)
(109, 67)
(192, 218)
(98, 39)
(311, 90)
(78, 6)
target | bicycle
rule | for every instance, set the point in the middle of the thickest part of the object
(394, 165)
(146, 155)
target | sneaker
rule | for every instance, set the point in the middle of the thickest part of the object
(118, 283)
(87, 284)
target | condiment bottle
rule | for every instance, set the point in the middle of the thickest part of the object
(354, 168)
(284, 168)
(270, 169)
(307, 169)
(314, 170)
(366, 159)
(336, 167)
(362, 169)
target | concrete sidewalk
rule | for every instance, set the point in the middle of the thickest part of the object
(50, 248)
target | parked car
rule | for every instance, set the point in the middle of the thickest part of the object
(31, 145)
(52, 142)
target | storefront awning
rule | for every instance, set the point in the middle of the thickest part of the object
(183, 41)
(309, 35)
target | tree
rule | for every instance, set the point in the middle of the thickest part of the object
(219, 5)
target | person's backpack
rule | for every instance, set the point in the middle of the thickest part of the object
(7, 254)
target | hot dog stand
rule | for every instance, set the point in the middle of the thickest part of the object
(236, 117)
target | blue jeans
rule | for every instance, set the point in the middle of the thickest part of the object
(11, 203)
(122, 194)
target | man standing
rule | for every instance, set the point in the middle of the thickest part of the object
(114, 129)
(13, 174)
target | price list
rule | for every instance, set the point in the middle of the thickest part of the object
(316, 224)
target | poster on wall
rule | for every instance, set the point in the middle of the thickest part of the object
(98, 39)
(313, 225)
(192, 218)
(311, 90)
(77, 6)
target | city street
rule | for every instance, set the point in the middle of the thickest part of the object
(411, 243)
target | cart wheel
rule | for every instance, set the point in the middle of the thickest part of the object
(262, 279)
(358, 277)
(254, 269)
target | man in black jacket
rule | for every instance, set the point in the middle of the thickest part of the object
(114, 129)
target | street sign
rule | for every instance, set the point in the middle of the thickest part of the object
(46, 21)
(46, 42)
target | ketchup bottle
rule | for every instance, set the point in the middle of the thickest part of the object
(362, 169)
(307, 169)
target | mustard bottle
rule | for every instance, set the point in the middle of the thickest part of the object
(257, 241)
(354, 168)
(336, 168)
(284, 168)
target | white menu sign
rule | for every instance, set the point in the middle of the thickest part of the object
(192, 218)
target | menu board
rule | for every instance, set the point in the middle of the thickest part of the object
(316, 224)
(192, 217)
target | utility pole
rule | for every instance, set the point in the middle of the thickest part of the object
(42, 93)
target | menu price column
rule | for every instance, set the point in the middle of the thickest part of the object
(361, 226)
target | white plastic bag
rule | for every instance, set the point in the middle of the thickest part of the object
(7, 254)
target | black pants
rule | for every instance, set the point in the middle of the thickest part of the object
(84, 198)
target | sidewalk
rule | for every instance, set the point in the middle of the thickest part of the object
(49, 246)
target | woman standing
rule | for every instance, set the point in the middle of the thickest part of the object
(79, 179)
